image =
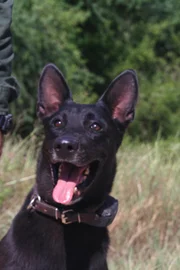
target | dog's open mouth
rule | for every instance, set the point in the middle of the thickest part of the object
(72, 181)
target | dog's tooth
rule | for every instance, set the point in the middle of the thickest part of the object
(77, 192)
(59, 171)
(87, 171)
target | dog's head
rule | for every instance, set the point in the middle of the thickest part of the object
(81, 140)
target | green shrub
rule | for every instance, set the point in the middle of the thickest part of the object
(44, 33)
(92, 42)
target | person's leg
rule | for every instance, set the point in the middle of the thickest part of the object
(8, 84)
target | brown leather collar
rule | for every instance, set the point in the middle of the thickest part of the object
(103, 217)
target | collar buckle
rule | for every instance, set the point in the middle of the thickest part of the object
(65, 218)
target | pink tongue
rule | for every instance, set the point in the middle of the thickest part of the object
(70, 177)
(63, 191)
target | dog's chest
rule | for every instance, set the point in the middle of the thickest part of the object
(51, 245)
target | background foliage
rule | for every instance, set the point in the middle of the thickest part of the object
(93, 41)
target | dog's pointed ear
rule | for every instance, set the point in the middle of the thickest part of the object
(121, 97)
(53, 91)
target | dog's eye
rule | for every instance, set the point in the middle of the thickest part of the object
(58, 123)
(96, 127)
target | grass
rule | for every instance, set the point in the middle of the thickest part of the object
(146, 231)
(17, 174)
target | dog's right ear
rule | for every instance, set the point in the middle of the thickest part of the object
(52, 92)
(121, 97)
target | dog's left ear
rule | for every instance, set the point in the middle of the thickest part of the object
(52, 92)
(121, 97)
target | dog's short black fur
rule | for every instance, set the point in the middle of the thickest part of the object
(75, 170)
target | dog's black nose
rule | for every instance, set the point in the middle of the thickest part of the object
(65, 145)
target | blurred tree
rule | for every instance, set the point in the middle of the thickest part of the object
(44, 33)
(143, 35)
(93, 41)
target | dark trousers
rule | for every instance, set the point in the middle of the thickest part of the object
(8, 84)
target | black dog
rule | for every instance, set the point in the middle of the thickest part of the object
(63, 222)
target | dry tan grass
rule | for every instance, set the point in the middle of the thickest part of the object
(147, 226)
(146, 231)
(17, 173)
